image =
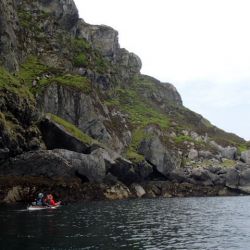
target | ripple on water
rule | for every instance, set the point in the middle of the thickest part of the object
(183, 223)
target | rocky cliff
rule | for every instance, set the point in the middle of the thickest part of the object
(77, 118)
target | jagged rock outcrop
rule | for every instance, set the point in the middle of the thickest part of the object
(105, 39)
(18, 130)
(159, 156)
(56, 136)
(89, 167)
(245, 156)
(38, 163)
(82, 110)
(226, 152)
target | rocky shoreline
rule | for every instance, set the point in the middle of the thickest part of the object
(78, 119)
(25, 189)
(72, 177)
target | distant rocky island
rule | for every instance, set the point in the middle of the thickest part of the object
(78, 119)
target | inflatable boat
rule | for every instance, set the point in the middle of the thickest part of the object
(34, 208)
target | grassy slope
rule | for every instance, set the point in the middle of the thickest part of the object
(141, 111)
(144, 111)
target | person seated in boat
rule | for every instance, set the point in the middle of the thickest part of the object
(40, 200)
(50, 200)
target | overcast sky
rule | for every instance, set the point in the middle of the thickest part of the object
(201, 46)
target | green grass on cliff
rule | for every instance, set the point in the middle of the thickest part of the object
(13, 84)
(72, 81)
(73, 130)
(139, 111)
(84, 55)
(140, 115)
(132, 152)
(183, 138)
(33, 71)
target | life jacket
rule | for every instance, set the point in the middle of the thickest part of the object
(39, 202)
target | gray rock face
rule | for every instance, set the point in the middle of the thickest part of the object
(193, 154)
(244, 183)
(55, 136)
(8, 31)
(24, 135)
(93, 167)
(105, 39)
(80, 110)
(38, 163)
(158, 155)
(245, 156)
(88, 167)
(228, 152)
(162, 93)
(127, 172)
(206, 154)
(64, 11)
(57, 163)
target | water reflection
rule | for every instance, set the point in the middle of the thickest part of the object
(183, 223)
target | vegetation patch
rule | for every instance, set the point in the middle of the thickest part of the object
(25, 18)
(73, 130)
(242, 147)
(140, 112)
(12, 84)
(137, 137)
(31, 69)
(228, 163)
(77, 82)
(85, 56)
(183, 138)
(37, 76)
(134, 156)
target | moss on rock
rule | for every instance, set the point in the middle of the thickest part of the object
(73, 130)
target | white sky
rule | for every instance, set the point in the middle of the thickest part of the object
(201, 46)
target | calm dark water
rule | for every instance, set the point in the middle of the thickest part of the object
(181, 223)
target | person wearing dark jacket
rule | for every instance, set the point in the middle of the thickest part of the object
(40, 200)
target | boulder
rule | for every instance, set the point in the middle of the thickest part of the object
(138, 190)
(245, 156)
(228, 152)
(57, 163)
(205, 154)
(124, 170)
(90, 167)
(232, 178)
(159, 156)
(244, 183)
(202, 176)
(38, 163)
(180, 175)
(55, 136)
(117, 192)
(193, 154)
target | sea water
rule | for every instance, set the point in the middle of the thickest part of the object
(174, 223)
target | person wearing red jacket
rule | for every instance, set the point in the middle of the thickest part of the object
(50, 200)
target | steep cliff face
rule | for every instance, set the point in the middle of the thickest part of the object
(8, 39)
(75, 99)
